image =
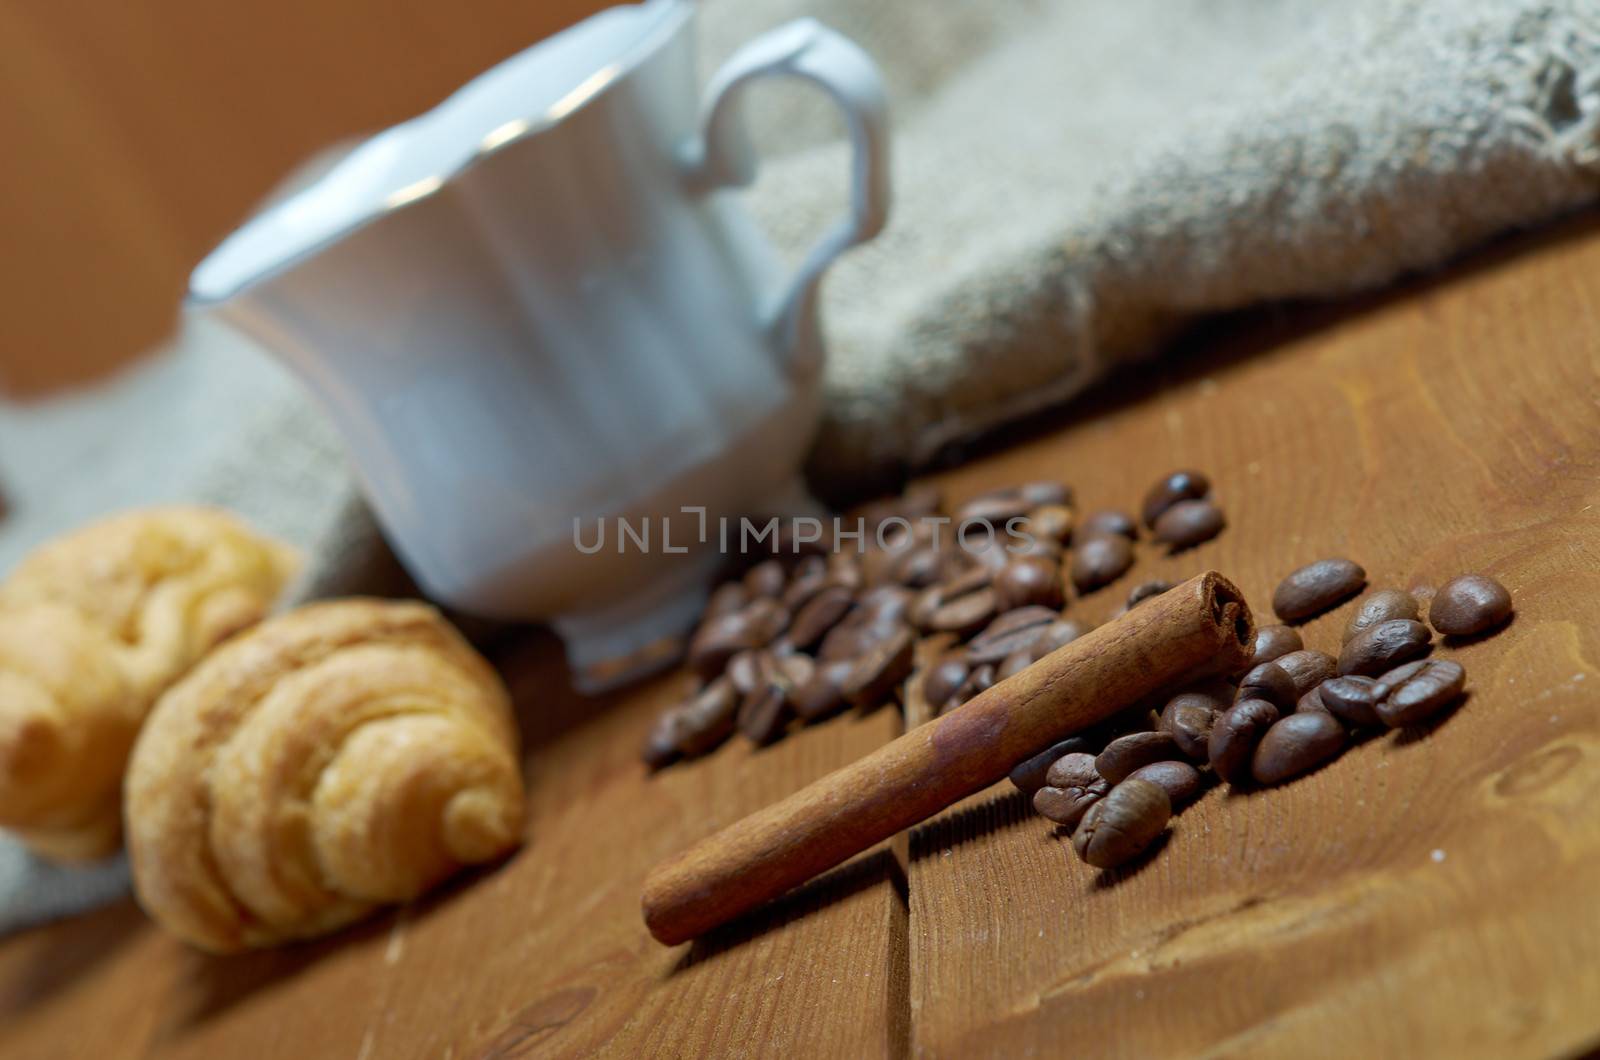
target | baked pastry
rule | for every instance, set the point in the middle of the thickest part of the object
(67, 720)
(93, 626)
(336, 757)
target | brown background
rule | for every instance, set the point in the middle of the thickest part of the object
(137, 135)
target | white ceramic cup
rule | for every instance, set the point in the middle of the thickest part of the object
(540, 303)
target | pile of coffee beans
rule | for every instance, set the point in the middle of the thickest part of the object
(931, 615)
(1292, 710)
(968, 599)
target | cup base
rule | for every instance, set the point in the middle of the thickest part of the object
(622, 642)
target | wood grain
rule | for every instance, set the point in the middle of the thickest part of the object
(1451, 426)
(544, 955)
(1429, 893)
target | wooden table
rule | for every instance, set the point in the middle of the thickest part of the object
(1427, 893)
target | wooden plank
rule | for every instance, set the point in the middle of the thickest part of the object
(1314, 919)
(546, 955)
(1427, 894)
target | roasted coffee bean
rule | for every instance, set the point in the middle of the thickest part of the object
(728, 598)
(1189, 716)
(1029, 774)
(920, 568)
(1235, 735)
(988, 553)
(1400, 673)
(1190, 725)
(1015, 629)
(876, 675)
(1023, 546)
(767, 708)
(1119, 826)
(1469, 604)
(1075, 769)
(708, 718)
(1140, 717)
(764, 713)
(1384, 646)
(956, 562)
(1058, 632)
(1028, 580)
(1127, 753)
(746, 670)
(661, 745)
(965, 614)
(1014, 664)
(822, 695)
(723, 637)
(767, 616)
(766, 579)
(1297, 744)
(1053, 635)
(1316, 587)
(995, 508)
(1421, 693)
(844, 570)
(1051, 522)
(1042, 641)
(1270, 682)
(863, 635)
(877, 614)
(797, 669)
(1188, 523)
(803, 588)
(1180, 780)
(1312, 700)
(981, 679)
(1105, 521)
(1381, 606)
(887, 603)
(930, 600)
(1308, 668)
(1353, 699)
(1074, 785)
(878, 564)
(1064, 806)
(944, 678)
(849, 639)
(808, 567)
(825, 610)
(1174, 488)
(1045, 492)
(1145, 591)
(1274, 642)
(1006, 545)
(1100, 561)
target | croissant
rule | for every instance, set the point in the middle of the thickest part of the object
(333, 758)
(93, 626)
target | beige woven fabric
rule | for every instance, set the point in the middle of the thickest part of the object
(1073, 181)
(1076, 180)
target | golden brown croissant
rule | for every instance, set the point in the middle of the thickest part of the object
(339, 756)
(93, 626)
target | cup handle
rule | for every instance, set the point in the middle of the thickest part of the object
(722, 156)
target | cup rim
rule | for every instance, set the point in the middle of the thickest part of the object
(567, 107)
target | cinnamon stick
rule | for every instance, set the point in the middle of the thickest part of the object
(1202, 626)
